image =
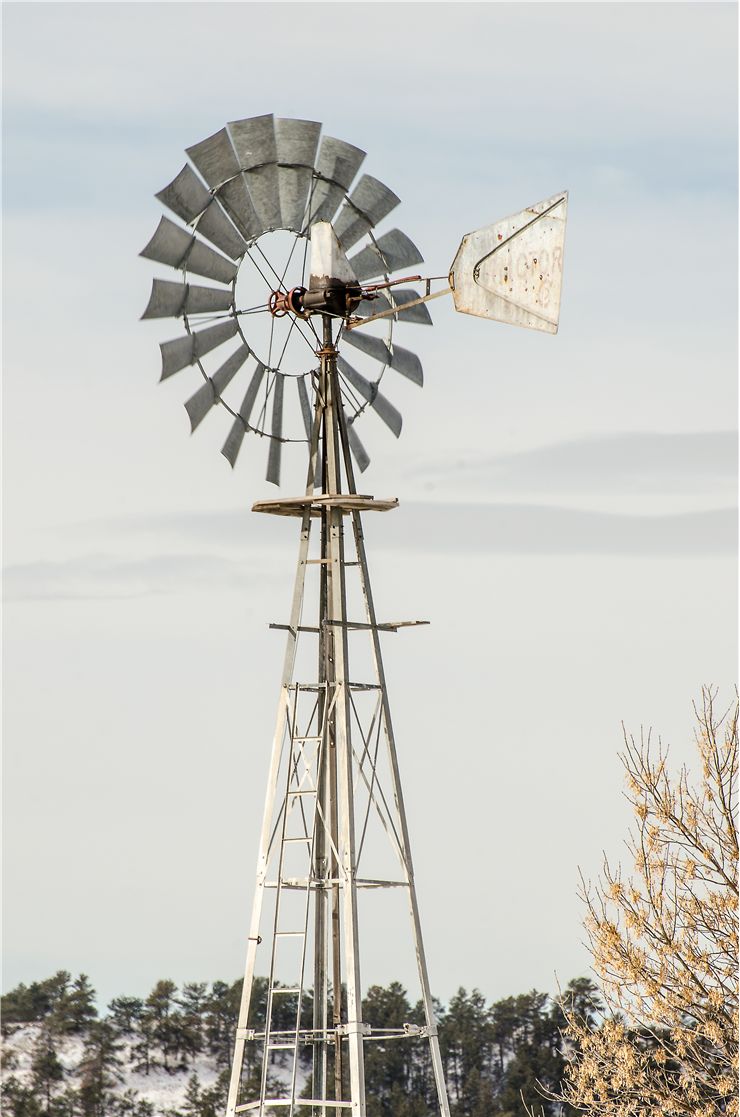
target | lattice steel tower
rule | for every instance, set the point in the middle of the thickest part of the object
(334, 832)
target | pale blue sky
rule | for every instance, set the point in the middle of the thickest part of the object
(589, 579)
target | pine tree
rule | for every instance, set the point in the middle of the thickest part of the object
(387, 1064)
(192, 1002)
(465, 1042)
(143, 1044)
(19, 1100)
(46, 1070)
(80, 1008)
(192, 1104)
(160, 1015)
(99, 1070)
(222, 1013)
(29, 1003)
(124, 1013)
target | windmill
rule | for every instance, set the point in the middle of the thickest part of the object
(292, 336)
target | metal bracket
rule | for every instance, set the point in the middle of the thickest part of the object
(356, 1027)
(354, 323)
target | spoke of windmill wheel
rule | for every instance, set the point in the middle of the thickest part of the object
(272, 338)
(184, 351)
(256, 151)
(280, 280)
(337, 164)
(235, 437)
(370, 392)
(359, 453)
(402, 360)
(388, 253)
(276, 446)
(181, 249)
(369, 203)
(269, 283)
(279, 361)
(296, 142)
(170, 299)
(260, 308)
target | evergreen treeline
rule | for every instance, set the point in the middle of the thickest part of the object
(493, 1053)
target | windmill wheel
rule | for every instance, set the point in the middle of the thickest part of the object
(248, 202)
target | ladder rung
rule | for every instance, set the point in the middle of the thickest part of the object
(306, 839)
(286, 989)
(315, 737)
(309, 791)
(281, 1047)
(289, 934)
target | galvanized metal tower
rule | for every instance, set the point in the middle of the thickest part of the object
(334, 832)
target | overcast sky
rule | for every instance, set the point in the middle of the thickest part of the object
(567, 503)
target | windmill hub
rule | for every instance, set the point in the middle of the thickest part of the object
(333, 297)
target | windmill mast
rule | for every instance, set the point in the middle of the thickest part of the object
(316, 789)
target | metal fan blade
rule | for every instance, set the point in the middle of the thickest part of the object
(408, 364)
(188, 198)
(402, 360)
(180, 249)
(186, 195)
(296, 141)
(305, 407)
(170, 299)
(385, 409)
(419, 314)
(256, 150)
(184, 351)
(210, 392)
(358, 451)
(254, 141)
(336, 166)
(276, 446)
(373, 346)
(215, 226)
(369, 203)
(217, 161)
(390, 252)
(215, 158)
(234, 196)
(232, 445)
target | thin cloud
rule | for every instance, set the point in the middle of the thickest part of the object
(696, 462)
(425, 528)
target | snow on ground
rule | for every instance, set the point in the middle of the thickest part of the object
(163, 1088)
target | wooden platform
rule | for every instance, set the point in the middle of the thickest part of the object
(344, 502)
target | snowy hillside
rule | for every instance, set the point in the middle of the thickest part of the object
(159, 1092)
